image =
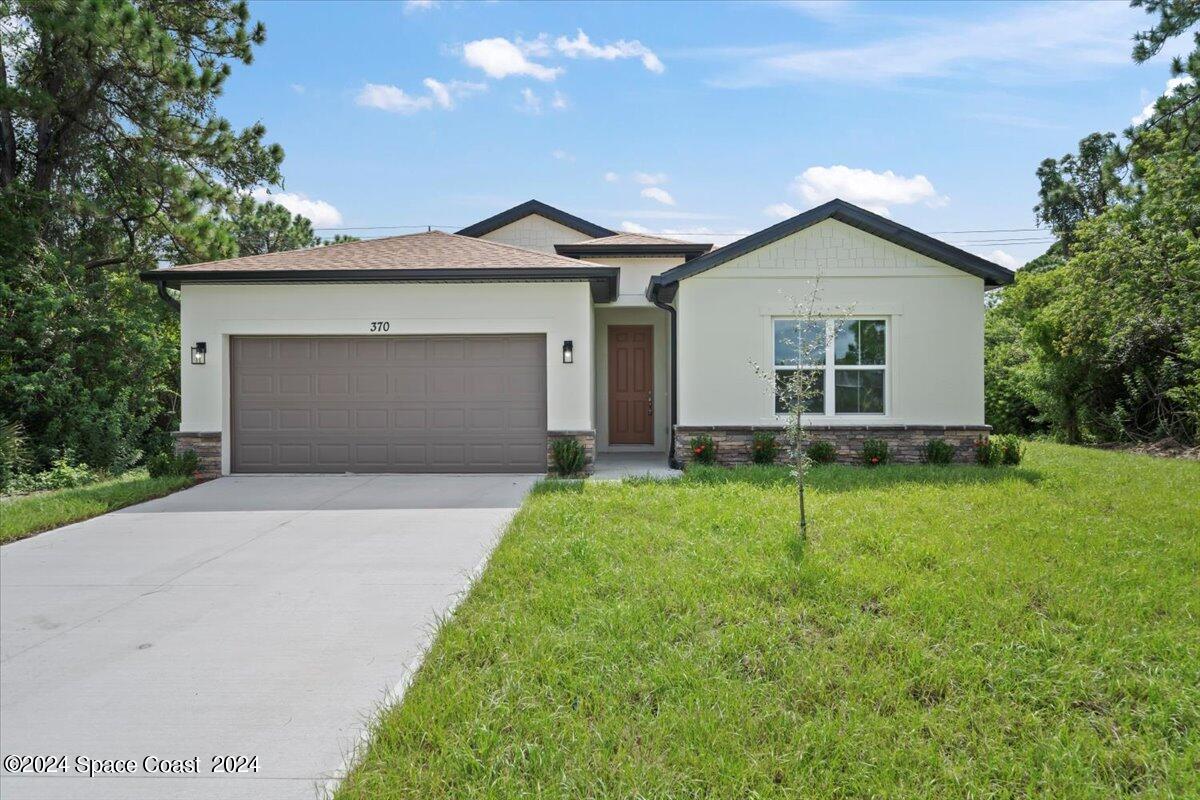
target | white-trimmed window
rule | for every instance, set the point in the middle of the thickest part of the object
(847, 359)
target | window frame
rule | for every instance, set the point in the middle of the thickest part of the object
(830, 367)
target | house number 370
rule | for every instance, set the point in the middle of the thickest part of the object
(380, 327)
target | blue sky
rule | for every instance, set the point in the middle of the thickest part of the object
(709, 120)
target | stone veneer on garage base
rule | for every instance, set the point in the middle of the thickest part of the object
(904, 441)
(207, 446)
(585, 438)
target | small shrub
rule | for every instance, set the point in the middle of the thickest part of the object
(14, 452)
(164, 465)
(569, 456)
(764, 448)
(1011, 449)
(64, 473)
(987, 452)
(937, 451)
(875, 452)
(704, 449)
(822, 452)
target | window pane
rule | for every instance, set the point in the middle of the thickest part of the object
(858, 391)
(813, 389)
(845, 342)
(872, 337)
(795, 338)
(859, 341)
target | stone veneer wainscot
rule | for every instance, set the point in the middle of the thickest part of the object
(905, 442)
(207, 445)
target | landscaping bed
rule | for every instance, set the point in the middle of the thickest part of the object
(949, 631)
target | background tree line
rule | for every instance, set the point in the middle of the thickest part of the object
(1098, 340)
(113, 160)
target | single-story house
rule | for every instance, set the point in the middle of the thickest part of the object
(472, 351)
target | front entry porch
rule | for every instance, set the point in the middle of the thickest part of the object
(632, 383)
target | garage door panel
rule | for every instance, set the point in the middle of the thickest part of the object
(389, 404)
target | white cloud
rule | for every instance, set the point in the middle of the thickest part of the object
(781, 210)
(530, 102)
(582, 47)
(611, 177)
(1003, 259)
(874, 191)
(650, 178)
(412, 6)
(319, 212)
(500, 58)
(1172, 85)
(559, 102)
(299, 88)
(1031, 44)
(658, 194)
(444, 94)
(391, 98)
(562, 155)
(633, 227)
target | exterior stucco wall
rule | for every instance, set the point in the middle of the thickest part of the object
(213, 313)
(934, 314)
(636, 272)
(609, 315)
(535, 232)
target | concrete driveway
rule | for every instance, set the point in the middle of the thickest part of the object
(249, 616)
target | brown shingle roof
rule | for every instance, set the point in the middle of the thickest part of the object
(432, 250)
(633, 238)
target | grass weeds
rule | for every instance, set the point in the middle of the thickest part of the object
(950, 632)
(26, 515)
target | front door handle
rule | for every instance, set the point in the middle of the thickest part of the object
(650, 403)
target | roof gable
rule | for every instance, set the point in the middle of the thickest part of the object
(541, 209)
(841, 211)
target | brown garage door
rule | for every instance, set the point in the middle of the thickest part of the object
(389, 404)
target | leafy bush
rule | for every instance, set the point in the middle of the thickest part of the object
(1011, 450)
(875, 452)
(704, 449)
(163, 465)
(937, 451)
(64, 473)
(14, 451)
(822, 452)
(569, 456)
(987, 452)
(764, 448)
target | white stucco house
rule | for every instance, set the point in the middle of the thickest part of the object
(471, 351)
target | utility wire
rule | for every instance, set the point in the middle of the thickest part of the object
(686, 233)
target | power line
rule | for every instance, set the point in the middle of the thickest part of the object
(682, 233)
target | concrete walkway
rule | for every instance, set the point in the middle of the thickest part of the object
(618, 466)
(249, 616)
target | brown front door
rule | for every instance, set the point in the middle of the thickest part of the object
(630, 384)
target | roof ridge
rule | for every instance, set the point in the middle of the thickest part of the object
(574, 261)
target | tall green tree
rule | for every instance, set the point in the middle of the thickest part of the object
(1077, 186)
(112, 158)
(1101, 341)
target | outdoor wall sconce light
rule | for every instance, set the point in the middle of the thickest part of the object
(568, 352)
(199, 353)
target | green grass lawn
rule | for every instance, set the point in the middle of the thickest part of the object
(34, 513)
(950, 632)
